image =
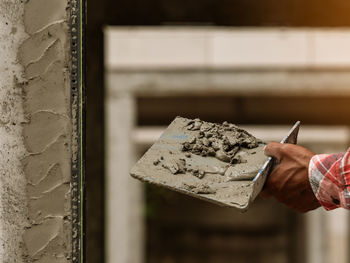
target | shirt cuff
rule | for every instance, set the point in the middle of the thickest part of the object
(324, 180)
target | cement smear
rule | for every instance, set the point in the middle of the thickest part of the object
(46, 132)
(216, 162)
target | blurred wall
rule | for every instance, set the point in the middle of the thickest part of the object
(155, 12)
(244, 75)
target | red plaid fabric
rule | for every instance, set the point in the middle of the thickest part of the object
(329, 176)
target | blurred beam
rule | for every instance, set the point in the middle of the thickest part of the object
(234, 82)
(234, 48)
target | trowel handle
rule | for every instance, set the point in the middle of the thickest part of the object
(292, 136)
(260, 178)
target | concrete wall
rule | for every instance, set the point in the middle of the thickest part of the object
(12, 180)
(35, 136)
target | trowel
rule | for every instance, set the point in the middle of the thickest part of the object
(214, 186)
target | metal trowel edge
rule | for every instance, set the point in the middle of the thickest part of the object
(260, 178)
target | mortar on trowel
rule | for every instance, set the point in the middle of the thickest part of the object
(220, 163)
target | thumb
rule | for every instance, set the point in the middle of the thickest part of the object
(274, 149)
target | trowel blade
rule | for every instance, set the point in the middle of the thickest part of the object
(235, 194)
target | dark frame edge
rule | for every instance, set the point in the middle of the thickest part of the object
(77, 13)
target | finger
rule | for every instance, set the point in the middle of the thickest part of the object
(274, 149)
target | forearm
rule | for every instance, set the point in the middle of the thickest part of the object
(329, 176)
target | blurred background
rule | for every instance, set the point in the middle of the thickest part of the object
(262, 65)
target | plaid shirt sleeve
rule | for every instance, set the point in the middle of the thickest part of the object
(329, 176)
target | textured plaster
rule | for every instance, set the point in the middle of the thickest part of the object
(46, 132)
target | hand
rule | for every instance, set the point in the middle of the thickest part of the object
(289, 181)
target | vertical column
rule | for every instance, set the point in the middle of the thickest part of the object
(327, 236)
(315, 236)
(337, 230)
(124, 221)
(13, 199)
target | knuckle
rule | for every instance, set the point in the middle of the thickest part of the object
(285, 148)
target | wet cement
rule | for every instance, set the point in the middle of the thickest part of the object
(46, 131)
(216, 162)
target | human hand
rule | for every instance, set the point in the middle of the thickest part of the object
(289, 181)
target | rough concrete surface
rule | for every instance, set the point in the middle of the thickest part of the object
(13, 200)
(215, 162)
(34, 132)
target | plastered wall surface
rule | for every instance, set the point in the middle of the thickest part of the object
(34, 132)
(46, 134)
